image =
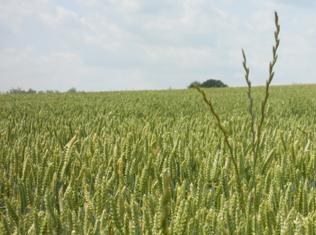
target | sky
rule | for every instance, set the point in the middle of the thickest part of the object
(103, 45)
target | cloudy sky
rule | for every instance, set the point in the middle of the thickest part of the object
(151, 44)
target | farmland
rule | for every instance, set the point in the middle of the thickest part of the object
(155, 162)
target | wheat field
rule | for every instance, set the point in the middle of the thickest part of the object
(155, 162)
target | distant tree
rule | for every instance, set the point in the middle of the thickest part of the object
(194, 84)
(72, 90)
(31, 91)
(213, 83)
(16, 91)
(21, 91)
(208, 83)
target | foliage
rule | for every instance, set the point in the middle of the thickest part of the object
(21, 91)
(72, 90)
(31, 91)
(213, 83)
(207, 84)
(194, 84)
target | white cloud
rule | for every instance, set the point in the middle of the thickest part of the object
(37, 71)
(60, 17)
(134, 44)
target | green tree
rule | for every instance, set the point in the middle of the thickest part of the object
(194, 84)
(213, 83)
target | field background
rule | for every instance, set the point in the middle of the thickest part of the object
(151, 162)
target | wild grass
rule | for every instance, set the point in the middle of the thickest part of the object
(256, 129)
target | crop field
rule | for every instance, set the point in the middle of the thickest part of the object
(155, 162)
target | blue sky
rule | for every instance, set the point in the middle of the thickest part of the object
(145, 44)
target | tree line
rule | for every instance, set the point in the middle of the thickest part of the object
(32, 91)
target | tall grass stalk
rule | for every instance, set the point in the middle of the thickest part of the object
(256, 128)
(226, 140)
